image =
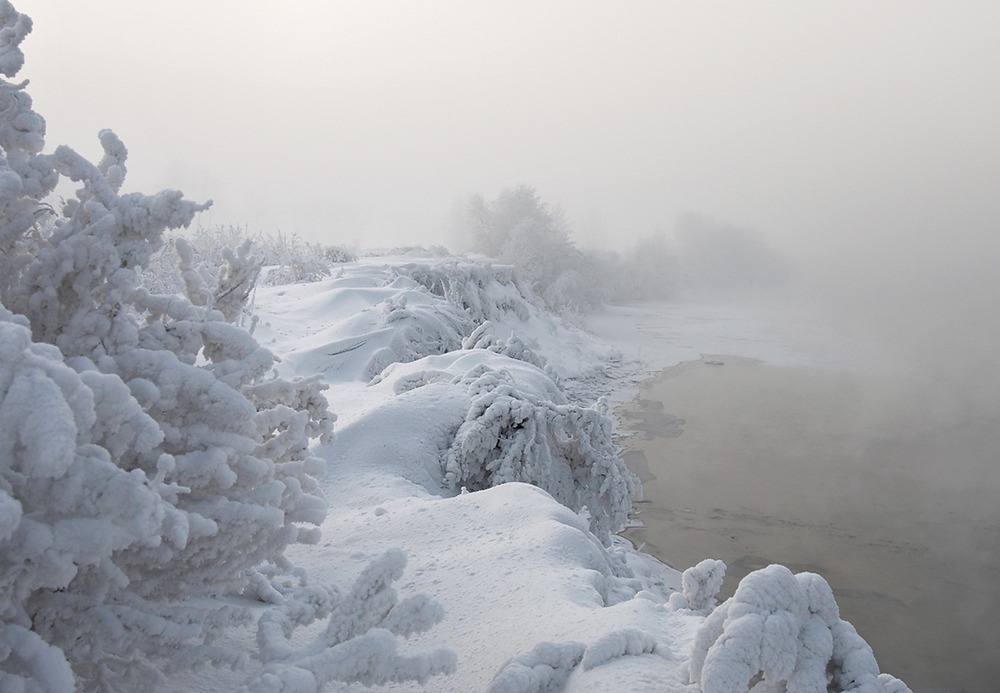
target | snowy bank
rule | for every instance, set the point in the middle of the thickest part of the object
(533, 599)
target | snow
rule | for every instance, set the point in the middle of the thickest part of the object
(532, 600)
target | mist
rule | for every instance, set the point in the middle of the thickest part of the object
(853, 142)
(857, 140)
(362, 122)
(841, 158)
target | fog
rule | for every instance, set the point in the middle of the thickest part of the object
(857, 138)
(856, 141)
(817, 123)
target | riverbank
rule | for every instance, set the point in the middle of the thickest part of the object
(884, 484)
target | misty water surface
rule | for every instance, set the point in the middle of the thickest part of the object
(884, 484)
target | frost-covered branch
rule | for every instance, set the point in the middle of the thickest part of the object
(546, 667)
(359, 643)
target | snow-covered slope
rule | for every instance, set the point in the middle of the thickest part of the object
(533, 600)
(512, 567)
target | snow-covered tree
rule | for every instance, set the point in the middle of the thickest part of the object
(718, 258)
(151, 462)
(782, 632)
(488, 226)
(648, 270)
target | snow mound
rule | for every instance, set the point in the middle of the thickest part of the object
(511, 568)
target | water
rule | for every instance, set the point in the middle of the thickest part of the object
(885, 485)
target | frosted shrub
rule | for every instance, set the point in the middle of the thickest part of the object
(699, 585)
(418, 329)
(780, 632)
(290, 259)
(512, 435)
(287, 259)
(484, 337)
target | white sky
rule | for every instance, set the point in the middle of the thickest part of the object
(824, 125)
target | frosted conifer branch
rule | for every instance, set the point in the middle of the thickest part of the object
(29, 664)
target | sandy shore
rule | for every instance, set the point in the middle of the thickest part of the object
(887, 486)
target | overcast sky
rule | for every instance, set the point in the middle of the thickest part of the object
(824, 125)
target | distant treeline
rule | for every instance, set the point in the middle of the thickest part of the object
(703, 256)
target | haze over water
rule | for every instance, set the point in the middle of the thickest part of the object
(883, 483)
